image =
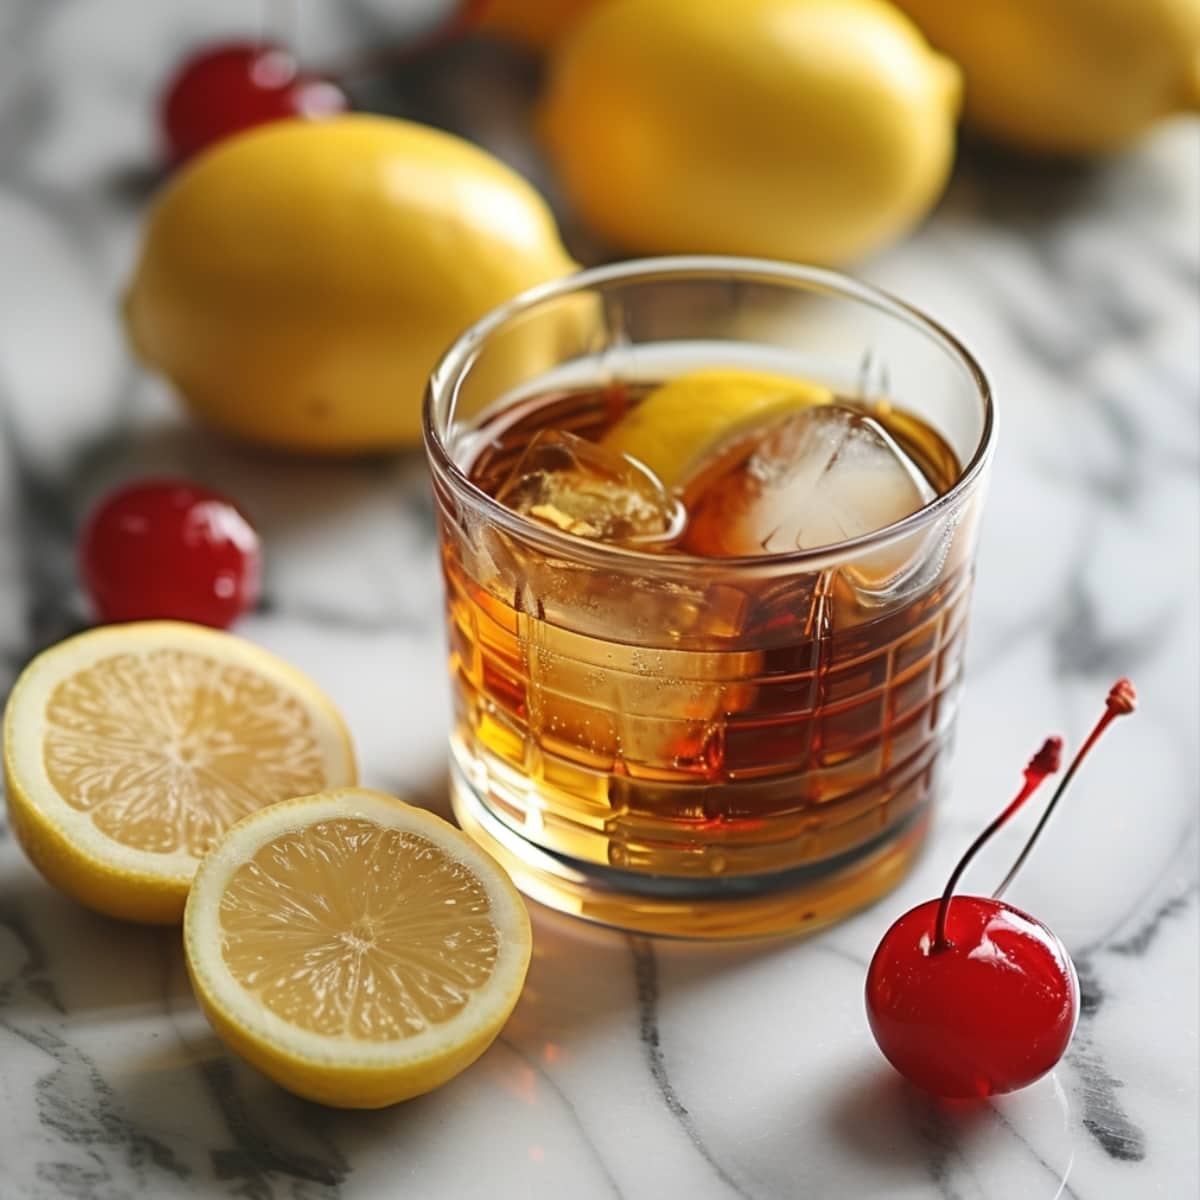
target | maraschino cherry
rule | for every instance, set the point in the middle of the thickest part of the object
(968, 996)
(170, 550)
(227, 88)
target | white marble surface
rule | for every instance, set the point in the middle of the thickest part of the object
(630, 1069)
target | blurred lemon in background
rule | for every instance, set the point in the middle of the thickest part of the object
(816, 130)
(537, 24)
(1068, 76)
(298, 282)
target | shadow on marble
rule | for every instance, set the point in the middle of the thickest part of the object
(443, 88)
(909, 1137)
(879, 1118)
(58, 957)
(431, 793)
(349, 543)
(271, 485)
(584, 978)
(244, 1131)
(249, 1130)
(133, 185)
(1032, 194)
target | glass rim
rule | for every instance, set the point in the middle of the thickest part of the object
(454, 364)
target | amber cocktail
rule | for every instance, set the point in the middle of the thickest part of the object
(707, 529)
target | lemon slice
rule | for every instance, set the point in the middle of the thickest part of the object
(682, 425)
(357, 950)
(129, 751)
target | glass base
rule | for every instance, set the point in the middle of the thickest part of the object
(788, 903)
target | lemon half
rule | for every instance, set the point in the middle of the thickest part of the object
(357, 950)
(129, 750)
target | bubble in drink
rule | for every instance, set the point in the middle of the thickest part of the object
(824, 475)
(581, 488)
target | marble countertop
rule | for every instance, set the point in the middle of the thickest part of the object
(630, 1069)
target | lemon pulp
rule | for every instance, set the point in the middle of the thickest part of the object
(345, 927)
(356, 949)
(168, 748)
(130, 750)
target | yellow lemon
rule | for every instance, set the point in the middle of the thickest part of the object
(815, 130)
(537, 24)
(1068, 76)
(357, 950)
(684, 423)
(298, 282)
(129, 750)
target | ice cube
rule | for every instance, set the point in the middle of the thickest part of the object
(581, 488)
(624, 670)
(824, 475)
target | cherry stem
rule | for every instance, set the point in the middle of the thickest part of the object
(1122, 699)
(1044, 762)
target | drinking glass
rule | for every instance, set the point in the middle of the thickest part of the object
(685, 745)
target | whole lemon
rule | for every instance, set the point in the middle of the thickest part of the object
(298, 282)
(801, 129)
(1068, 76)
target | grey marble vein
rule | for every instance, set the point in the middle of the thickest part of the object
(645, 978)
(76, 1104)
(1104, 1116)
(1135, 931)
(255, 1161)
(1141, 940)
(34, 975)
(1082, 647)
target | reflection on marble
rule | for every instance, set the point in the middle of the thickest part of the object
(630, 1069)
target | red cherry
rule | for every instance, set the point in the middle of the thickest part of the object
(226, 89)
(990, 1013)
(168, 549)
(968, 996)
